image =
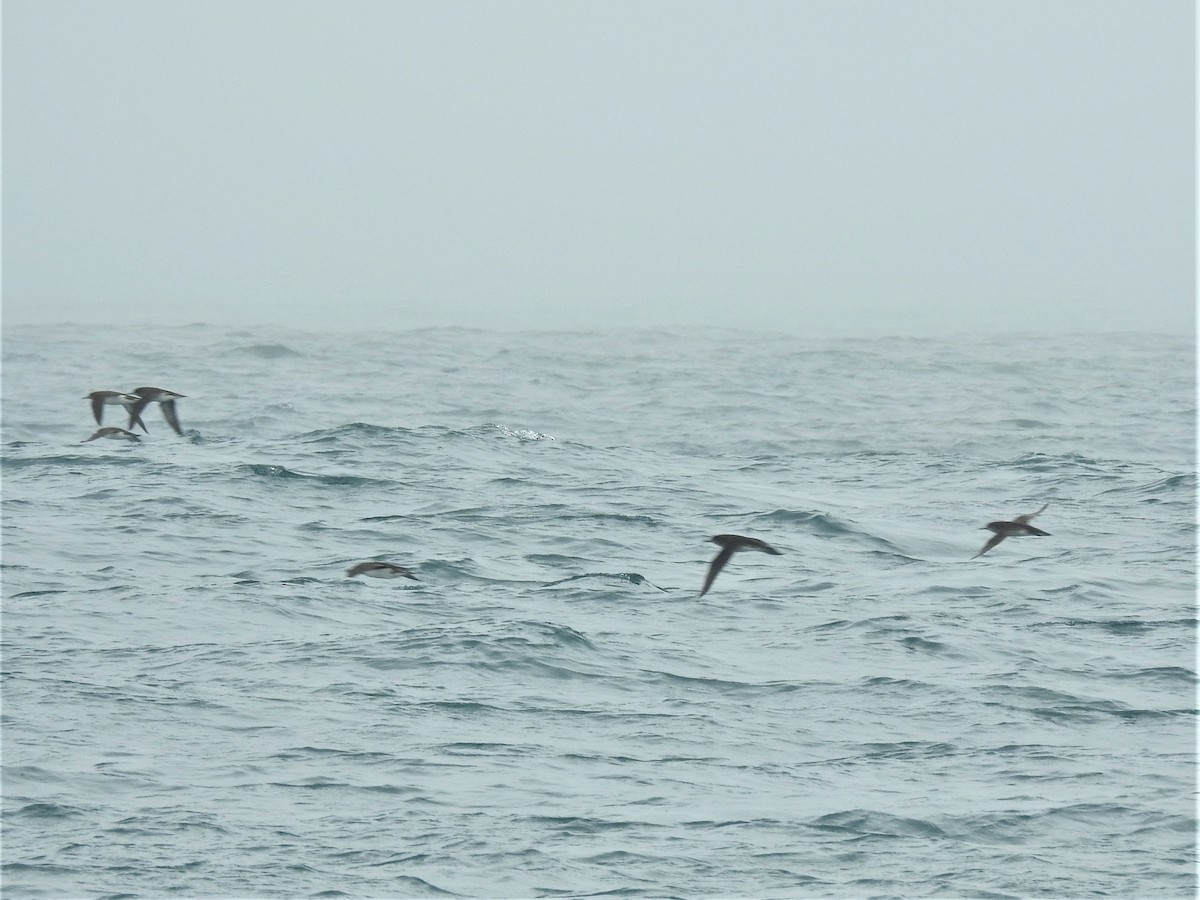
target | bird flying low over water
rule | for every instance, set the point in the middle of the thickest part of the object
(380, 570)
(731, 544)
(1018, 526)
(101, 399)
(119, 434)
(166, 401)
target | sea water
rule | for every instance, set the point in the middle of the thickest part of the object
(197, 701)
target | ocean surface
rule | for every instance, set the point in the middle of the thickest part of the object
(197, 702)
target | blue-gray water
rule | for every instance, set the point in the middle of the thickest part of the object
(198, 702)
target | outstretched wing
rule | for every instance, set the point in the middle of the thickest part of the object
(1024, 520)
(168, 411)
(98, 409)
(756, 544)
(715, 567)
(996, 538)
(135, 414)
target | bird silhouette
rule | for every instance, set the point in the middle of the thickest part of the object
(731, 544)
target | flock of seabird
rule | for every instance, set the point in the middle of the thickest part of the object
(134, 402)
(731, 544)
(139, 398)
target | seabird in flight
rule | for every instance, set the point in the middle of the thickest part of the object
(380, 570)
(730, 544)
(1018, 526)
(101, 399)
(166, 401)
(119, 434)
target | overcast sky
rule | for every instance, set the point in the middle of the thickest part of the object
(909, 166)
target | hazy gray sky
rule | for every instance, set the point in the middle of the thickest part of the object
(811, 165)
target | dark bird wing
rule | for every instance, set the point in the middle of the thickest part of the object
(756, 544)
(168, 411)
(715, 567)
(1024, 520)
(135, 414)
(995, 539)
(741, 542)
(98, 408)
